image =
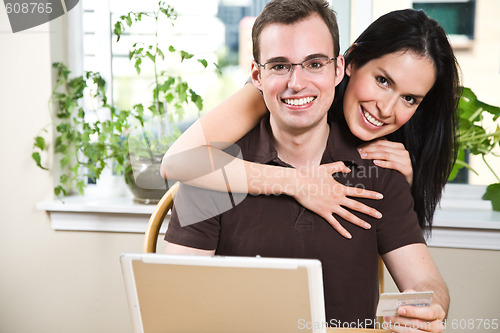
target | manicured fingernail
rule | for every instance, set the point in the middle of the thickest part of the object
(368, 226)
(348, 235)
(380, 196)
(378, 215)
(363, 154)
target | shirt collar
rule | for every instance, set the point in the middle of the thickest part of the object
(341, 146)
(262, 142)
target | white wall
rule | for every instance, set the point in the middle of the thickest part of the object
(49, 281)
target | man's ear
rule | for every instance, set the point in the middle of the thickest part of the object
(255, 74)
(339, 70)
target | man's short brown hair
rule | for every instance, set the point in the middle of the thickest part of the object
(293, 11)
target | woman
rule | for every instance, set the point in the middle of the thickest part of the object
(406, 129)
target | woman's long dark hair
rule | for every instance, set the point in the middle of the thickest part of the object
(430, 135)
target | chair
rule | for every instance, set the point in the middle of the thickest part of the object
(156, 219)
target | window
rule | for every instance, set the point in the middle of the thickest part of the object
(456, 17)
(197, 30)
(209, 28)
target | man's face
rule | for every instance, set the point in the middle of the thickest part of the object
(298, 101)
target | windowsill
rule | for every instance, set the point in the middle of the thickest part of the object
(118, 214)
(474, 227)
(461, 42)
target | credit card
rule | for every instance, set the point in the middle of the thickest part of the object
(389, 303)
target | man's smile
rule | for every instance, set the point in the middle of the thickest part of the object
(298, 101)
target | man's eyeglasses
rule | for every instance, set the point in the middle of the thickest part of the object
(282, 68)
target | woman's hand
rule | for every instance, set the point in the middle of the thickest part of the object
(317, 190)
(390, 155)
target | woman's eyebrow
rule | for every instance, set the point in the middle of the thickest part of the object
(387, 76)
(391, 80)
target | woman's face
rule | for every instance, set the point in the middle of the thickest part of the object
(383, 95)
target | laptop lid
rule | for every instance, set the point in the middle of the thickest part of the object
(176, 293)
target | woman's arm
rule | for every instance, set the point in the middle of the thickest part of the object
(226, 123)
(196, 159)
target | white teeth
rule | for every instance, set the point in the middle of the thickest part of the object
(372, 120)
(298, 102)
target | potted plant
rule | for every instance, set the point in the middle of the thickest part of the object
(476, 139)
(131, 141)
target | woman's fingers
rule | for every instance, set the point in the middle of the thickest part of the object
(348, 216)
(333, 197)
(361, 193)
(337, 226)
(362, 208)
(389, 155)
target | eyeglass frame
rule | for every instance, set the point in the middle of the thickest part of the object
(330, 60)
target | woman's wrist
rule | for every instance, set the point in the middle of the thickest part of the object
(271, 180)
(287, 181)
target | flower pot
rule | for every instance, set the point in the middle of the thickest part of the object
(143, 178)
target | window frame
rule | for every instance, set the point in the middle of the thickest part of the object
(457, 41)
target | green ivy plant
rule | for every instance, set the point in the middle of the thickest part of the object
(476, 140)
(82, 148)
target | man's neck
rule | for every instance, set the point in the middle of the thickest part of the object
(301, 148)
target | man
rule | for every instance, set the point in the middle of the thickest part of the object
(296, 55)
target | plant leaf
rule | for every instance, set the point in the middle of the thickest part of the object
(150, 56)
(186, 55)
(80, 185)
(118, 30)
(38, 160)
(128, 20)
(196, 99)
(203, 62)
(40, 143)
(493, 194)
(58, 190)
(137, 65)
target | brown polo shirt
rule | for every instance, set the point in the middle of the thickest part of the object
(278, 226)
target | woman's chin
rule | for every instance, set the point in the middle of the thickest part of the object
(364, 135)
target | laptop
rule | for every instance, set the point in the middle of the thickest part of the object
(199, 294)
